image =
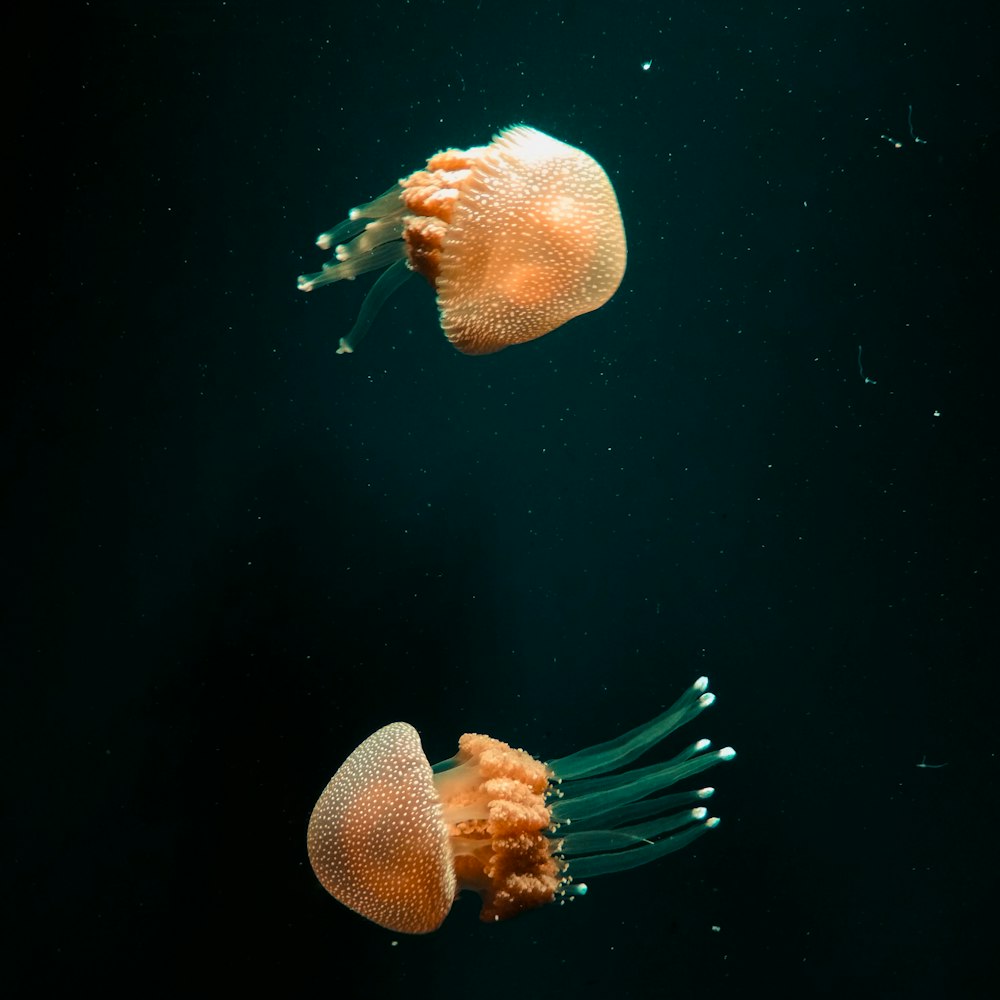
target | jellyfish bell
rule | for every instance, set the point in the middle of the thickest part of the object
(396, 839)
(517, 238)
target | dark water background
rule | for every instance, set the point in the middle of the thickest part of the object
(231, 554)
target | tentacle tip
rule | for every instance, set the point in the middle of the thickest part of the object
(305, 283)
(345, 347)
(712, 822)
(701, 684)
(705, 793)
(706, 699)
(726, 753)
(323, 241)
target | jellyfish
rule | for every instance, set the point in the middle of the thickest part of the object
(516, 238)
(396, 839)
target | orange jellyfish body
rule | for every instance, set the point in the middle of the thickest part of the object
(396, 844)
(396, 840)
(517, 238)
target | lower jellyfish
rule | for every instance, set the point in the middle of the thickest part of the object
(396, 839)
